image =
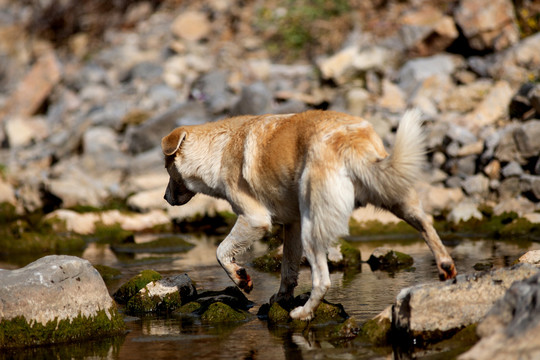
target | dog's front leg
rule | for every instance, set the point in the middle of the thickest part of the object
(241, 237)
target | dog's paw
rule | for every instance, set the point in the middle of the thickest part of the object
(447, 271)
(300, 313)
(243, 280)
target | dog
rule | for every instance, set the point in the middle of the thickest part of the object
(307, 171)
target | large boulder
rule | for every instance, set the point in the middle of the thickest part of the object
(430, 312)
(511, 328)
(55, 299)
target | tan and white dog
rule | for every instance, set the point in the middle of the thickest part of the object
(307, 171)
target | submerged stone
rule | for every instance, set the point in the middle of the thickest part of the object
(347, 330)
(108, 273)
(133, 285)
(377, 330)
(389, 260)
(219, 312)
(53, 300)
(162, 296)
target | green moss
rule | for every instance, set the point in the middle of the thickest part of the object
(113, 234)
(189, 308)
(170, 244)
(18, 332)
(133, 285)
(352, 258)
(377, 330)
(277, 314)
(108, 273)
(326, 312)
(8, 213)
(521, 228)
(219, 312)
(346, 330)
(374, 228)
(143, 303)
(270, 262)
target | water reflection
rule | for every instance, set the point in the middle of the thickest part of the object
(363, 294)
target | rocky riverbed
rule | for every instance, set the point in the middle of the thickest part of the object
(88, 90)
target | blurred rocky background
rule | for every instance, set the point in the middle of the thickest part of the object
(88, 88)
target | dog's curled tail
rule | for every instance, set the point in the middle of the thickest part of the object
(397, 173)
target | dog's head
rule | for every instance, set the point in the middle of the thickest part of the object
(177, 192)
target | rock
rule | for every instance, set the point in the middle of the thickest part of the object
(213, 91)
(53, 300)
(148, 135)
(511, 327)
(392, 97)
(426, 31)
(108, 273)
(347, 330)
(530, 184)
(464, 98)
(417, 70)
(389, 260)
(191, 26)
(436, 199)
(530, 257)
(34, 88)
(487, 24)
(339, 66)
(278, 313)
(464, 211)
(222, 313)
(493, 107)
(521, 106)
(429, 312)
(511, 169)
(377, 330)
(526, 138)
(476, 185)
(255, 99)
(269, 262)
(344, 256)
(21, 131)
(133, 285)
(162, 296)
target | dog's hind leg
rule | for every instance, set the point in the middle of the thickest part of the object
(410, 210)
(325, 206)
(241, 237)
(292, 255)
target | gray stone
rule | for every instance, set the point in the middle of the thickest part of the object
(417, 70)
(527, 138)
(464, 211)
(255, 99)
(56, 290)
(509, 188)
(212, 89)
(149, 134)
(476, 185)
(487, 24)
(429, 312)
(510, 329)
(512, 169)
(531, 183)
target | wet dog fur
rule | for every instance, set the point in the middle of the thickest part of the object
(308, 171)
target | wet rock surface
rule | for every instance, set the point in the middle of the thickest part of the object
(42, 303)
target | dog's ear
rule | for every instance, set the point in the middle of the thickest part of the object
(171, 143)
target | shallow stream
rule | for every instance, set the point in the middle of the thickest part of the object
(363, 294)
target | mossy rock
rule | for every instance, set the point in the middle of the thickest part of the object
(270, 262)
(377, 330)
(170, 244)
(143, 303)
(17, 332)
(351, 257)
(374, 228)
(346, 330)
(133, 285)
(108, 273)
(113, 234)
(28, 242)
(189, 308)
(389, 260)
(521, 228)
(278, 313)
(8, 213)
(221, 313)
